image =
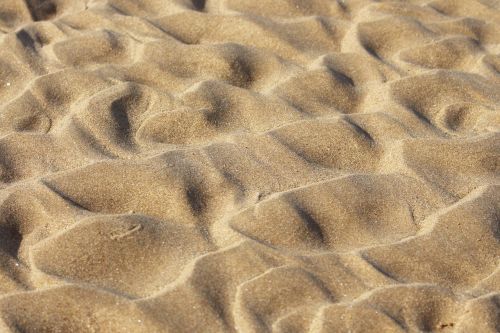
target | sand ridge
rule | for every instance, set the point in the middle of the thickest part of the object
(249, 166)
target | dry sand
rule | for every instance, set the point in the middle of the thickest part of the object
(249, 166)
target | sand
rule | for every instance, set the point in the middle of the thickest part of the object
(249, 166)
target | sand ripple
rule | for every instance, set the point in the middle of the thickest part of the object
(250, 166)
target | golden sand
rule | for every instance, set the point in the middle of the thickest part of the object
(249, 166)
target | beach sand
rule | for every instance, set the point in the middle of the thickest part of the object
(249, 166)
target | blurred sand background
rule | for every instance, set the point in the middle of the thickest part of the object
(249, 166)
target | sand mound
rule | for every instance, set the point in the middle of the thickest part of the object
(249, 166)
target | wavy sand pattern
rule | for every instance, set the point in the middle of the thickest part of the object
(249, 166)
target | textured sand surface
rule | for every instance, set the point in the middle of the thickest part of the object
(249, 166)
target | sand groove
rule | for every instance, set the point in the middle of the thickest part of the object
(249, 166)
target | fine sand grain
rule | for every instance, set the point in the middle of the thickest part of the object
(249, 166)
